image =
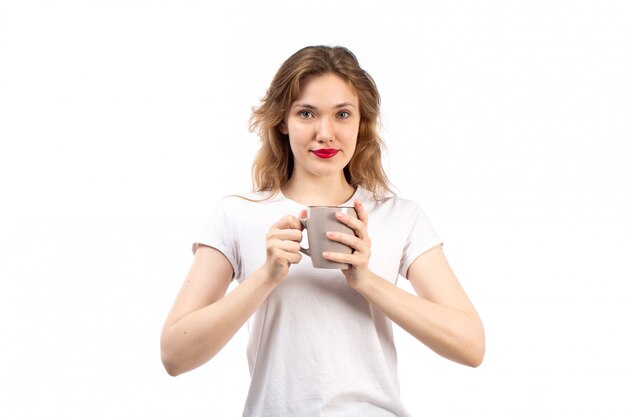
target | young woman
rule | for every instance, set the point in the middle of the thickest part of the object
(320, 340)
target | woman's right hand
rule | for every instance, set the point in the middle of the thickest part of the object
(283, 247)
(205, 317)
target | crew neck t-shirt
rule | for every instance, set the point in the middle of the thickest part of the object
(316, 347)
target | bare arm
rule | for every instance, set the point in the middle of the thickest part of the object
(441, 315)
(202, 319)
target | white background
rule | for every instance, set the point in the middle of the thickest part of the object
(123, 122)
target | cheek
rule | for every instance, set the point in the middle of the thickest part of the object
(351, 134)
(298, 133)
(298, 141)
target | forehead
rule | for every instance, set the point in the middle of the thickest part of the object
(327, 89)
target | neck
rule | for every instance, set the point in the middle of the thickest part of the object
(321, 191)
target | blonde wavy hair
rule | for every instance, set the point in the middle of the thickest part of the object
(274, 162)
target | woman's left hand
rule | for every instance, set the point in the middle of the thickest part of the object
(359, 271)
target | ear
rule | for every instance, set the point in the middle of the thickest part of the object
(283, 128)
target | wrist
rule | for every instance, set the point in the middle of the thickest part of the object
(267, 277)
(363, 283)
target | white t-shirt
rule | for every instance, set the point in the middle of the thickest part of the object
(316, 347)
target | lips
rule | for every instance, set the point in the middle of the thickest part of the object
(326, 153)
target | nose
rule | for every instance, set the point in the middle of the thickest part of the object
(324, 130)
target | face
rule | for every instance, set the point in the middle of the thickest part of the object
(323, 125)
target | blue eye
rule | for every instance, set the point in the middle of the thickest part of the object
(343, 114)
(306, 114)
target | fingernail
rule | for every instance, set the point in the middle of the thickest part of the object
(330, 234)
(340, 215)
(325, 254)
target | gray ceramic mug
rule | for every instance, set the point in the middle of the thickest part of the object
(319, 220)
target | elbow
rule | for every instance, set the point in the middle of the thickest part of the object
(472, 356)
(170, 366)
(178, 358)
(470, 347)
(477, 350)
(168, 359)
(477, 359)
(171, 371)
(468, 352)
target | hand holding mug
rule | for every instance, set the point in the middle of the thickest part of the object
(359, 241)
(282, 247)
(319, 221)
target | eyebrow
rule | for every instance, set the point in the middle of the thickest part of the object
(311, 107)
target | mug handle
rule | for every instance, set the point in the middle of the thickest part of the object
(303, 222)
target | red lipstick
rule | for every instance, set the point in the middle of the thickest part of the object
(326, 153)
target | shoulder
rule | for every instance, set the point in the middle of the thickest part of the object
(247, 199)
(390, 204)
(249, 205)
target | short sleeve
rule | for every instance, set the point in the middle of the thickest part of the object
(219, 232)
(421, 237)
